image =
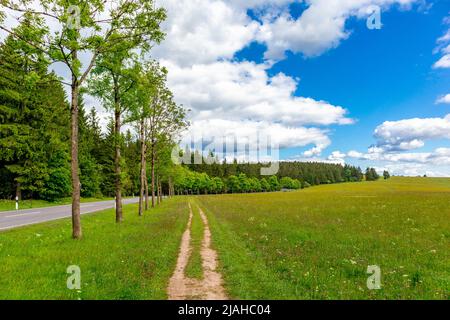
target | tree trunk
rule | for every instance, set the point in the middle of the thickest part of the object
(119, 216)
(153, 175)
(169, 193)
(143, 175)
(157, 190)
(76, 218)
(146, 188)
(171, 188)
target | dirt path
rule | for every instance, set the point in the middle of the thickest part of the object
(211, 286)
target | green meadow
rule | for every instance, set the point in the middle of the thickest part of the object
(318, 243)
(133, 260)
(315, 243)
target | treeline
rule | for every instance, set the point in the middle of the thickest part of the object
(34, 125)
(312, 173)
(191, 182)
(35, 136)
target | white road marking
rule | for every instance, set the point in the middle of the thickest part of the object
(47, 220)
(23, 214)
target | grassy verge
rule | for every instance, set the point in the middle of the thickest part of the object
(133, 260)
(318, 243)
(194, 267)
(9, 205)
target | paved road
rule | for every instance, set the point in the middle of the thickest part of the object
(14, 219)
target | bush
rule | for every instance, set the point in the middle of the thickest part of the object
(305, 185)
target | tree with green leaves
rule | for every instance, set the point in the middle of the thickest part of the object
(112, 80)
(265, 186)
(87, 27)
(90, 141)
(164, 120)
(371, 174)
(233, 184)
(274, 183)
(149, 79)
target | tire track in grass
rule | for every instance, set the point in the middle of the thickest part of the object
(194, 268)
(208, 288)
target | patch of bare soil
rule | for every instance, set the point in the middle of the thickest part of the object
(211, 286)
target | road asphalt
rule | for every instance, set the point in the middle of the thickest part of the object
(15, 219)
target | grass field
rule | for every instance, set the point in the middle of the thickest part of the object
(311, 244)
(129, 261)
(317, 243)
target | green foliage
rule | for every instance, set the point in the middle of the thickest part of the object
(90, 177)
(305, 185)
(233, 184)
(189, 182)
(58, 184)
(274, 183)
(33, 122)
(371, 174)
(265, 186)
(289, 183)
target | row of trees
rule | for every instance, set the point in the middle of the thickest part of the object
(191, 182)
(114, 38)
(313, 173)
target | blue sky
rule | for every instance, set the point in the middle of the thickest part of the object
(309, 77)
(312, 76)
(377, 75)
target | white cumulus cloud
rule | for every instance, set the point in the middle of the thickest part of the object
(244, 90)
(411, 133)
(241, 136)
(444, 99)
(444, 48)
(320, 27)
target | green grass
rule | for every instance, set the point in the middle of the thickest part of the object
(311, 244)
(317, 243)
(133, 260)
(194, 267)
(9, 205)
